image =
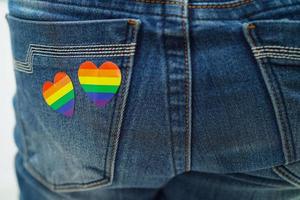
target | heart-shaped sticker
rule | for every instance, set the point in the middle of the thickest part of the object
(100, 84)
(59, 95)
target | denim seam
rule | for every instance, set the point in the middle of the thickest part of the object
(63, 187)
(277, 101)
(221, 6)
(29, 69)
(187, 86)
(82, 46)
(232, 4)
(111, 141)
(248, 17)
(154, 14)
(33, 47)
(109, 8)
(161, 2)
(281, 106)
(277, 52)
(121, 109)
(287, 175)
(88, 50)
(272, 89)
(271, 10)
(286, 119)
(275, 47)
(277, 57)
(115, 131)
(169, 107)
(113, 50)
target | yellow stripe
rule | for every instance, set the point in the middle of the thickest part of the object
(88, 80)
(60, 93)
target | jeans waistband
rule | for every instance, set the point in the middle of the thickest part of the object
(195, 9)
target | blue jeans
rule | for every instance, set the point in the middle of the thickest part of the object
(208, 106)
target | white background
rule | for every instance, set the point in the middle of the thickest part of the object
(8, 183)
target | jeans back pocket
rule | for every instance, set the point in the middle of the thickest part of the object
(78, 152)
(276, 47)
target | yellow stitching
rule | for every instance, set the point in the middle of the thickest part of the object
(187, 102)
(160, 2)
(220, 6)
(187, 136)
(275, 47)
(217, 6)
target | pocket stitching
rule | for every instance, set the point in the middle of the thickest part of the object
(68, 187)
(104, 50)
(121, 108)
(275, 95)
(277, 52)
(287, 175)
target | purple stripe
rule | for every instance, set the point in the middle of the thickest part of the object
(67, 109)
(100, 99)
(102, 102)
(100, 96)
(69, 113)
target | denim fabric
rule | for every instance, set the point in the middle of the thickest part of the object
(208, 106)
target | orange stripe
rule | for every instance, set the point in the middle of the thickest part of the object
(99, 73)
(47, 85)
(91, 65)
(88, 65)
(109, 65)
(57, 86)
(59, 76)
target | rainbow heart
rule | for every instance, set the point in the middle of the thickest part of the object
(59, 95)
(100, 84)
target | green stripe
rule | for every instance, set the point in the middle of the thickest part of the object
(62, 101)
(100, 88)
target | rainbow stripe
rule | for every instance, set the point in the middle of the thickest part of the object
(59, 95)
(100, 84)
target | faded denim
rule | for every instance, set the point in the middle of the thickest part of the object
(208, 108)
